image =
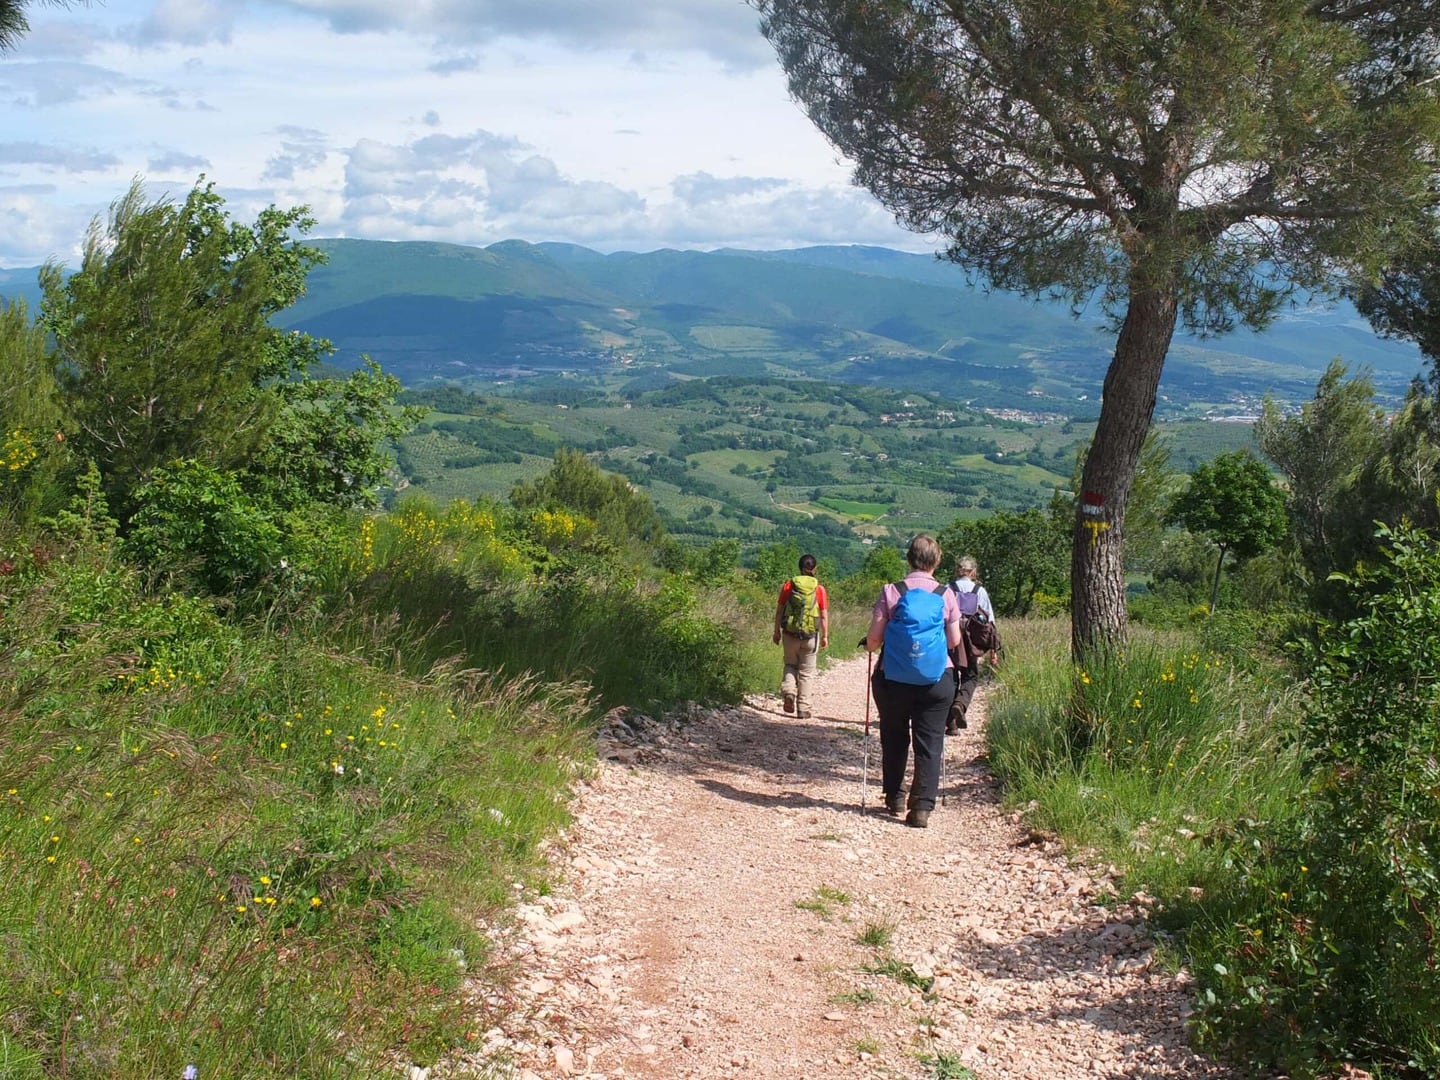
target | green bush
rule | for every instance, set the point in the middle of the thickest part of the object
(1332, 956)
(195, 522)
(541, 591)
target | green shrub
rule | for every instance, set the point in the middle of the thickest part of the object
(193, 521)
(1331, 955)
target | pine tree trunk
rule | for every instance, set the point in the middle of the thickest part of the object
(1097, 568)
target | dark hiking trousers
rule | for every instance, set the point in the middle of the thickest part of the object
(968, 676)
(912, 716)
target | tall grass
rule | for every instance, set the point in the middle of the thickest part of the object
(1148, 761)
(474, 584)
(241, 849)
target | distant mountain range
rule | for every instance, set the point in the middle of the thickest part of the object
(431, 312)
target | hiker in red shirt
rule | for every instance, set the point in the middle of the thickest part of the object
(802, 624)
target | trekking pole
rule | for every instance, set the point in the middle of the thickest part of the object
(865, 767)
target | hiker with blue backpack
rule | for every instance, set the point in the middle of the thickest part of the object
(980, 638)
(915, 624)
(802, 624)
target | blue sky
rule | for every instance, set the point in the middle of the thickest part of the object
(618, 124)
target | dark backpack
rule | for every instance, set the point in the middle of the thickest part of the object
(802, 607)
(977, 626)
(914, 648)
(980, 632)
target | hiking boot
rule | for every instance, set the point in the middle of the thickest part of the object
(789, 703)
(894, 804)
(955, 722)
(803, 714)
(918, 819)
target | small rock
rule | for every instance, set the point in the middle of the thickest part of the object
(565, 1059)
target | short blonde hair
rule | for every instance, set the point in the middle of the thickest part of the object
(923, 553)
(967, 564)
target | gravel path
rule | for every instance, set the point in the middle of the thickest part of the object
(725, 910)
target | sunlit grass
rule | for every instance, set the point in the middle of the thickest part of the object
(242, 851)
(877, 935)
(823, 901)
(1148, 762)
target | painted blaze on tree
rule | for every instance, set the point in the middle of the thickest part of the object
(1182, 161)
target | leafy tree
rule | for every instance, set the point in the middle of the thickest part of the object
(775, 563)
(884, 563)
(1321, 453)
(621, 514)
(30, 424)
(1402, 482)
(1019, 554)
(163, 342)
(716, 563)
(328, 442)
(1405, 303)
(1180, 578)
(1187, 160)
(1235, 504)
(195, 520)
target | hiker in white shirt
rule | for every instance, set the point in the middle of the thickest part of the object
(967, 660)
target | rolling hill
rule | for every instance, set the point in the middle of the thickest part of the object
(850, 314)
(432, 312)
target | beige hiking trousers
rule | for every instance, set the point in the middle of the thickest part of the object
(801, 655)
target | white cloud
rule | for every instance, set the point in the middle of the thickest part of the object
(301, 150)
(700, 188)
(31, 223)
(53, 156)
(65, 40)
(725, 29)
(60, 82)
(187, 22)
(479, 187)
(610, 123)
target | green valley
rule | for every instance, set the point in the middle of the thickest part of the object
(761, 459)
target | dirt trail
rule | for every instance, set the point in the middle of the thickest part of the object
(717, 883)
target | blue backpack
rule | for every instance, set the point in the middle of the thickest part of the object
(914, 646)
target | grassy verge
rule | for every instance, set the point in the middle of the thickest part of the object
(1288, 834)
(236, 848)
(1148, 762)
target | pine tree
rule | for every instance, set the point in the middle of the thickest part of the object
(1185, 162)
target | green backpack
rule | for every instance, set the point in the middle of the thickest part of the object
(802, 609)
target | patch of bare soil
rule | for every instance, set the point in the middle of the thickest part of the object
(725, 909)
